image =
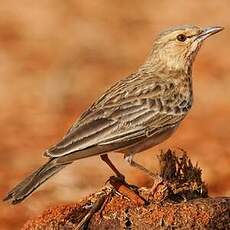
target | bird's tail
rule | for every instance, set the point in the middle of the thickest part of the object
(30, 183)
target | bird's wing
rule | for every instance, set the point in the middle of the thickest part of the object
(130, 110)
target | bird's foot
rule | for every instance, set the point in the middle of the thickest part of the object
(121, 177)
(159, 190)
(129, 191)
(118, 178)
(157, 181)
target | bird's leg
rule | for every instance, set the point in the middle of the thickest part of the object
(106, 159)
(129, 159)
(157, 179)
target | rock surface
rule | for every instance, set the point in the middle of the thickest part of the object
(120, 213)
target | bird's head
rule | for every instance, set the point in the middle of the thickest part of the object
(176, 48)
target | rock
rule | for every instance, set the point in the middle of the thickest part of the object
(120, 213)
(180, 201)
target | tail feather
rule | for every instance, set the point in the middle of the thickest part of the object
(32, 182)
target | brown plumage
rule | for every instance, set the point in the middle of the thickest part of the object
(137, 113)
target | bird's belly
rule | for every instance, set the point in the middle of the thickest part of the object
(148, 142)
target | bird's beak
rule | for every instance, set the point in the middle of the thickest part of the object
(207, 32)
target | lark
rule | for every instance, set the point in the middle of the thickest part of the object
(135, 114)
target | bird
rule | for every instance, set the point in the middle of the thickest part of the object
(135, 114)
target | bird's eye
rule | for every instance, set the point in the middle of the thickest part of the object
(181, 37)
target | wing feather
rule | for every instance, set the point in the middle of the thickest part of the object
(126, 112)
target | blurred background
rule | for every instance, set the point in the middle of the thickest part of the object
(57, 57)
